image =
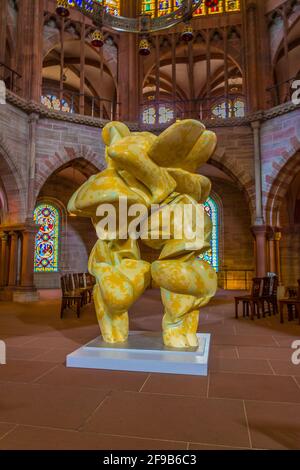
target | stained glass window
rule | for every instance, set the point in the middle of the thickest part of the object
(166, 114)
(111, 6)
(200, 11)
(159, 7)
(52, 102)
(148, 6)
(232, 109)
(212, 256)
(232, 5)
(47, 238)
(164, 7)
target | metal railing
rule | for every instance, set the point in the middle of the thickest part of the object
(281, 92)
(160, 112)
(236, 279)
(10, 77)
(74, 102)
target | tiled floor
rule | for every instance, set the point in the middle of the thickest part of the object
(251, 398)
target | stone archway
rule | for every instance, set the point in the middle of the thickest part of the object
(13, 189)
(279, 187)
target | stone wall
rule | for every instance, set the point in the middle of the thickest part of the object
(14, 141)
(280, 141)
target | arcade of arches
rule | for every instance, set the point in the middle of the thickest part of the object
(238, 76)
(61, 90)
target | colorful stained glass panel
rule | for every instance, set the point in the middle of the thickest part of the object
(52, 102)
(212, 256)
(47, 238)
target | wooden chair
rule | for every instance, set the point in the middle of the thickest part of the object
(70, 297)
(251, 300)
(291, 304)
(269, 296)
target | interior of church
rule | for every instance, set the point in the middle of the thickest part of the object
(85, 87)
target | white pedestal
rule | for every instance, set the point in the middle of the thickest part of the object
(143, 352)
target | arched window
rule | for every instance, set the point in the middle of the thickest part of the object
(212, 256)
(231, 109)
(52, 102)
(47, 238)
(166, 114)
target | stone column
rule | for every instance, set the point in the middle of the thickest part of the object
(259, 220)
(277, 239)
(257, 57)
(30, 47)
(13, 260)
(272, 254)
(4, 259)
(128, 83)
(260, 233)
(27, 258)
(27, 291)
(3, 27)
(33, 120)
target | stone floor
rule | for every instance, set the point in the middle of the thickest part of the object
(251, 398)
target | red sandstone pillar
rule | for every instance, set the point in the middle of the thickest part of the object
(13, 259)
(261, 254)
(272, 254)
(4, 259)
(3, 27)
(27, 270)
(277, 256)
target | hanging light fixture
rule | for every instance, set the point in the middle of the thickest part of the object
(187, 34)
(98, 13)
(144, 47)
(97, 38)
(62, 8)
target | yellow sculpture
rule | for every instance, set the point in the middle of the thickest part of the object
(148, 170)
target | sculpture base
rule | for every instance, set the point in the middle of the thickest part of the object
(143, 352)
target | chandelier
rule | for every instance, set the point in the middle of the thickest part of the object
(143, 25)
(96, 11)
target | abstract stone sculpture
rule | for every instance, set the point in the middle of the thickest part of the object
(145, 169)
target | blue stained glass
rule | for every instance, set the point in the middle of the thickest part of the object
(212, 256)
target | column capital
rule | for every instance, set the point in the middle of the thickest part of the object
(256, 124)
(3, 236)
(277, 236)
(33, 118)
(259, 230)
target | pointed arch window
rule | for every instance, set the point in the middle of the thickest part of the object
(212, 256)
(47, 238)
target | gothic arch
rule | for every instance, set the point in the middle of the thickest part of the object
(63, 158)
(243, 180)
(13, 186)
(280, 185)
